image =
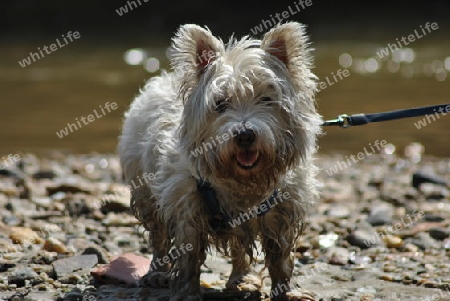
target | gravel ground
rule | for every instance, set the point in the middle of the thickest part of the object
(380, 232)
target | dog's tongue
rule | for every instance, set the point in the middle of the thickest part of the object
(247, 157)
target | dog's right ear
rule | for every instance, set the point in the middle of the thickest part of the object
(195, 48)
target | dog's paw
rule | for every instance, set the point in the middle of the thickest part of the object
(155, 280)
(248, 283)
(300, 295)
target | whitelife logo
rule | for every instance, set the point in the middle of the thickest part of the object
(90, 118)
(411, 38)
(130, 4)
(34, 56)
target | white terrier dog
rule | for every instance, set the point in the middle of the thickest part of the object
(232, 130)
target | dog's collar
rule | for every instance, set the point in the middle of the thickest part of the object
(218, 219)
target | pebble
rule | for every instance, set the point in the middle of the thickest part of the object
(44, 257)
(338, 256)
(54, 245)
(81, 264)
(338, 211)
(355, 202)
(439, 233)
(380, 214)
(328, 240)
(424, 241)
(99, 252)
(392, 241)
(11, 220)
(127, 268)
(20, 275)
(364, 238)
(44, 174)
(25, 236)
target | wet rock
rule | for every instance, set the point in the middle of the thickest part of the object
(338, 256)
(20, 275)
(113, 219)
(9, 173)
(5, 266)
(24, 236)
(11, 220)
(99, 252)
(44, 174)
(433, 218)
(74, 296)
(40, 296)
(359, 259)
(78, 244)
(127, 268)
(9, 189)
(21, 207)
(328, 240)
(44, 202)
(67, 266)
(67, 187)
(52, 244)
(424, 241)
(116, 199)
(380, 214)
(44, 257)
(439, 233)
(392, 241)
(364, 238)
(338, 211)
(433, 191)
(420, 178)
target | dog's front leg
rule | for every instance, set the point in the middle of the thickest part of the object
(280, 228)
(280, 265)
(191, 248)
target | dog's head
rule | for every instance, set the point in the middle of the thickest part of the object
(249, 114)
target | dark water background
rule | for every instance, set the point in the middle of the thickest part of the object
(40, 99)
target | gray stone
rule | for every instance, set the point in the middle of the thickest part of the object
(20, 275)
(339, 211)
(381, 214)
(425, 242)
(11, 220)
(67, 266)
(40, 296)
(439, 233)
(364, 239)
(99, 252)
(338, 256)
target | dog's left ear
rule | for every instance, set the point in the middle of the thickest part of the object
(195, 48)
(288, 42)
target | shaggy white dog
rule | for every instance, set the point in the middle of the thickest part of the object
(229, 135)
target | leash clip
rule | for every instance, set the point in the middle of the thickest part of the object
(342, 120)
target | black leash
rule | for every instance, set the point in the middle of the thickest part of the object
(345, 121)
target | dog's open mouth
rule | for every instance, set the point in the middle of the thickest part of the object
(247, 158)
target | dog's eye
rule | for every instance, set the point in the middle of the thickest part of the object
(266, 100)
(221, 105)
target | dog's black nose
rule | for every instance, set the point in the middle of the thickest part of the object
(245, 138)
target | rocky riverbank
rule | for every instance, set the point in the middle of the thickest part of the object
(380, 232)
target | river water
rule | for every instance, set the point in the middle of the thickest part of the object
(41, 99)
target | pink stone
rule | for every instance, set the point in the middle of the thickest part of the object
(127, 268)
